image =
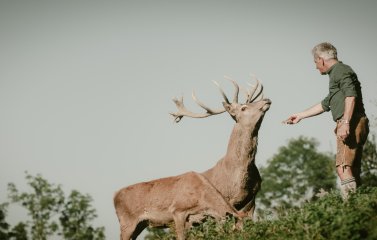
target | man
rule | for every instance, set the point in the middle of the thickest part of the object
(346, 104)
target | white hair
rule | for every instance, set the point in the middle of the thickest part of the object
(325, 50)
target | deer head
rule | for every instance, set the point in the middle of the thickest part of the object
(249, 113)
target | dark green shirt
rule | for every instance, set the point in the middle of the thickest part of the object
(343, 83)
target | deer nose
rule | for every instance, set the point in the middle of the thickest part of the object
(266, 106)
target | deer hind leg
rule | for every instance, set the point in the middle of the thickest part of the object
(139, 228)
(133, 230)
(126, 232)
(127, 228)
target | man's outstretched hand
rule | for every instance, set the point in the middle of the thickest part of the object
(293, 119)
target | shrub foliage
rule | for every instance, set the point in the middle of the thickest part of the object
(50, 213)
(325, 218)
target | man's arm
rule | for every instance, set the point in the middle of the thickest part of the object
(349, 106)
(310, 112)
(344, 128)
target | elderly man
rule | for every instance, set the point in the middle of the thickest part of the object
(346, 104)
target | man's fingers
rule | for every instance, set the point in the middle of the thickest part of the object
(290, 120)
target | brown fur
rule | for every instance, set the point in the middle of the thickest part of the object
(168, 200)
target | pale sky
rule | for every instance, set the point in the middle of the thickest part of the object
(86, 86)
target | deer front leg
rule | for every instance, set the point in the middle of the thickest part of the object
(179, 221)
(255, 185)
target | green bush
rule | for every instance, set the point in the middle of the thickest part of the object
(325, 218)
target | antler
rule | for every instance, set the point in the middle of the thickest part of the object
(183, 111)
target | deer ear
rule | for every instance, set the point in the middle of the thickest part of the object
(230, 109)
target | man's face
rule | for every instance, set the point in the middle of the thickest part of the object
(320, 65)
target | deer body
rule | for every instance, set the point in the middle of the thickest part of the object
(161, 202)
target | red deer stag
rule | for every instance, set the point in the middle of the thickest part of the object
(236, 176)
(189, 197)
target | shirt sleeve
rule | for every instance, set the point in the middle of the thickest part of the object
(348, 84)
(326, 103)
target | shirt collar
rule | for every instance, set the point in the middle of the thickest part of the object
(332, 67)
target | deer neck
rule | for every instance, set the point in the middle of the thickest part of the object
(242, 147)
(235, 165)
(231, 175)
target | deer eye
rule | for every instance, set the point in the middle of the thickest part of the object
(243, 108)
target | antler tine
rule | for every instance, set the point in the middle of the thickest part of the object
(201, 104)
(259, 93)
(181, 108)
(252, 91)
(222, 92)
(237, 89)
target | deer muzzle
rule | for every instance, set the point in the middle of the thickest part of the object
(267, 105)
